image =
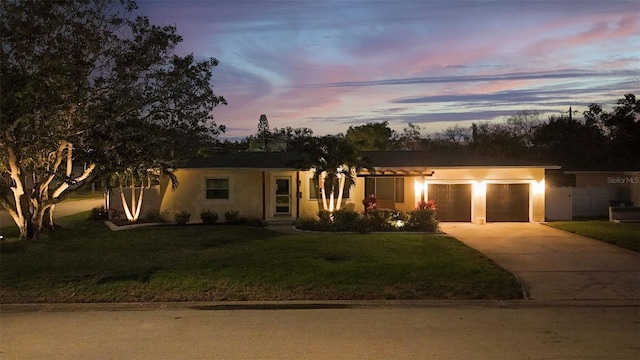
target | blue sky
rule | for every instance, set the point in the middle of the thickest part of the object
(327, 65)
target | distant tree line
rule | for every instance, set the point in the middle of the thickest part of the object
(597, 140)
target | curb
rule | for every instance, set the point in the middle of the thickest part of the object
(114, 227)
(310, 305)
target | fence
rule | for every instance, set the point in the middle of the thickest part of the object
(568, 203)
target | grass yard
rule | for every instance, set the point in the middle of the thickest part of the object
(623, 235)
(85, 262)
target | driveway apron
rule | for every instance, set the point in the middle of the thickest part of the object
(553, 264)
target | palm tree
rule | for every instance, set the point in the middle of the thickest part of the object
(142, 176)
(335, 162)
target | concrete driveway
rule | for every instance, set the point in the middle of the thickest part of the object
(555, 265)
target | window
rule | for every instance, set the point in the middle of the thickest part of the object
(389, 189)
(217, 188)
(399, 183)
(314, 190)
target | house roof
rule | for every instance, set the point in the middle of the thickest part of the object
(440, 159)
(377, 159)
(248, 159)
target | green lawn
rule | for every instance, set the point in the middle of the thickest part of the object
(85, 262)
(86, 195)
(623, 235)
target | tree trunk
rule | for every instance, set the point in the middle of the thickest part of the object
(21, 223)
(133, 200)
(125, 205)
(340, 191)
(49, 224)
(18, 191)
(136, 214)
(323, 192)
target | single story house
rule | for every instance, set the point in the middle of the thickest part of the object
(268, 186)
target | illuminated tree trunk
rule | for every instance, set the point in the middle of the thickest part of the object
(18, 191)
(34, 213)
(131, 212)
(323, 193)
(341, 181)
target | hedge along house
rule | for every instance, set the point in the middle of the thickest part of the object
(268, 186)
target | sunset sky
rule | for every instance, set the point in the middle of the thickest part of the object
(327, 65)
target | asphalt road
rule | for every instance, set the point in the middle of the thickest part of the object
(458, 332)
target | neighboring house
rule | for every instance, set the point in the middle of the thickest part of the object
(594, 192)
(267, 186)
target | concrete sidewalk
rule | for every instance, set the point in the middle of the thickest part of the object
(555, 265)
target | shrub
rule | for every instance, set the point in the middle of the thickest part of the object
(370, 204)
(251, 221)
(209, 217)
(232, 217)
(307, 224)
(182, 218)
(378, 220)
(156, 216)
(345, 220)
(98, 213)
(116, 213)
(361, 225)
(428, 205)
(385, 219)
(422, 220)
(325, 223)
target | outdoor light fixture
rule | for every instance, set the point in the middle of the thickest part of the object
(480, 187)
(538, 186)
(421, 188)
(417, 186)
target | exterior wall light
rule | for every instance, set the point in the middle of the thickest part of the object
(418, 190)
(480, 187)
(538, 187)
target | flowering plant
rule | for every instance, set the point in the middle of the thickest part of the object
(369, 204)
(428, 205)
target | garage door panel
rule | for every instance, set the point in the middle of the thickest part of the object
(453, 201)
(507, 202)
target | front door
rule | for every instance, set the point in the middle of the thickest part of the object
(283, 196)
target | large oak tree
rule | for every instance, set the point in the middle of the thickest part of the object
(90, 87)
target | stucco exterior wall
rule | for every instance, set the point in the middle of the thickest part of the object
(150, 203)
(309, 207)
(245, 193)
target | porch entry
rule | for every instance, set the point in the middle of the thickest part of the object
(283, 196)
(389, 190)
